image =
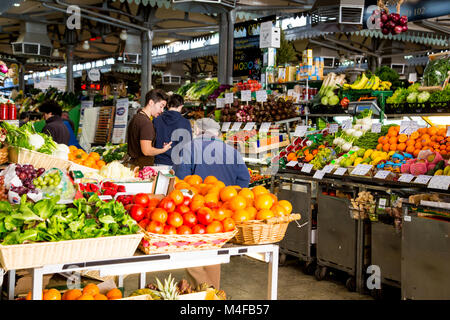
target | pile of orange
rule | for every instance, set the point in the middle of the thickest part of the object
(432, 138)
(89, 292)
(91, 160)
(241, 204)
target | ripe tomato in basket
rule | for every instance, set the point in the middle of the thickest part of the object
(141, 199)
(184, 230)
(190, 219)
(186, 201)
(159, 215)
(199, 229)
(175, 219)
(137, 212)
(155, 227)
(228, 225)
(144, 223)
(214, 227)
(170, 230)
(167, 204)
(182, 209)
(205, 216)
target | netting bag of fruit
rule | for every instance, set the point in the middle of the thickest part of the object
(55, 182)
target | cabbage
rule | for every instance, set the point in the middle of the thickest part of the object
(334, 100)
(324, 101)
(117, 171)
(330, 94)
(412, 97)
(423, 97)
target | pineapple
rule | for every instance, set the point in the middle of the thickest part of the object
(168, 291)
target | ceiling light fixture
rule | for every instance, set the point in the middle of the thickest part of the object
(123, 35)
(86, 45)
(166, 41)
(16, 4)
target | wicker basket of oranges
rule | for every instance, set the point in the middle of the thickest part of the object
(84, 161)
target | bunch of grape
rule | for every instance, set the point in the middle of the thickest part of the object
(27, 173)
(3, 192)
(50, 180)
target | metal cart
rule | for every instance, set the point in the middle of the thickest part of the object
(386, 254)
(336, 238)
(425, 257)
(297, 241)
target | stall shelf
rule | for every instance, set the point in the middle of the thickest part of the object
(425, 258)
(142, 264)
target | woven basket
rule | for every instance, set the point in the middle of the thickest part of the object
(24, 256)
(163, 243)
(263, 231)
(4, 155)
(37, 159)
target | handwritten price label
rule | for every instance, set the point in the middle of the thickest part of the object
(265, 127)
(340, 171)
(249, 126)
(376, 127)
(319, 174)
(261, 96)
(408, 127)
(246, 95)
(361, 169)
(422, 179)
(229, 98)
(226, 126)
(407, 178)
(328, 169)
(439, 182)
(300, 131)
(382, 174)
(334, 128)
(307, 167)
(220, 103)
(291, 164)
(346, 124)
(236, 126)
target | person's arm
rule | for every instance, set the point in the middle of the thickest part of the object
(242, 174)
(148, 150)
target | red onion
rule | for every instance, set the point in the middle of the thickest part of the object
(385, 31)
(381, 25)
(403, 20)
(384, 18)
(404, 28)
(398, 29)
(390, 25)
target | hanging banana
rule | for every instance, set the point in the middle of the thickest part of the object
(361, 83)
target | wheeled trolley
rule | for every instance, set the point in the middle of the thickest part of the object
(425, 257)
(298, 240)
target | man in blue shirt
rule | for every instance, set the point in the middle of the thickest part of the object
(169, 121)
(206, 155)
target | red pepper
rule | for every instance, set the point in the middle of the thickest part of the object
(121, 189)
(93, 187)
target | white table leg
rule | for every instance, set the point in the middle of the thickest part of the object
(273, 275)
(143, 280)
(11, 284)
(37, 278)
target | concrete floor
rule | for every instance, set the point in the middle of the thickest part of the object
(245, 278)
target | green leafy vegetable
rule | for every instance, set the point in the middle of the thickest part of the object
(436, 71)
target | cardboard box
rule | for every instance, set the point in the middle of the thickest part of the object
(24, 283)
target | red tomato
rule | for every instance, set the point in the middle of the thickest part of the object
(205, 216)
(137, 212)
(184, 230)
(199, 229)
(182, 209)
(214, 227)
(170, 230)
(159, 215)
(155, 227)
(186, 201)
(153, 202)
(128, 207)
(228, 225)
(175, 219)
(190, 219)
(167, 204)
(144, 223)
(141, 199)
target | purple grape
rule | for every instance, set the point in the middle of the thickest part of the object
(22, 176)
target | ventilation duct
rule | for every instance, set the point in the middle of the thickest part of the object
(173, 74)
(204, 6)
(337, 15)
(33, 40)
(133, 49)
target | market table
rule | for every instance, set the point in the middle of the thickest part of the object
(142, 264)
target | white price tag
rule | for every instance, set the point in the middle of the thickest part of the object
(408, 127)
(261, 96)
(300, 131)
(422, 179)
(249, 126)
(291, 164)
(226, 126)
(246, 95)
(346, 124)
(265, 127)
(229, 98)
(334, 128)
(307, 167)
(439, 182)
(361, 169)
(407, 218)
(319, 174)
(328, 168)
(448, 131)
(236, 126)
(220, 103)
(407, 178)
(340, 171)
(376, 127)
(290, 93)
(382, 203)
(104, 198)
(382, 174)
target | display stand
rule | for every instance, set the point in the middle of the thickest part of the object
(158, 262)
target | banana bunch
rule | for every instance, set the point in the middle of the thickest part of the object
(372, 83)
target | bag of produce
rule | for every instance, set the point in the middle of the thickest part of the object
(436, 71)
(55, 182)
